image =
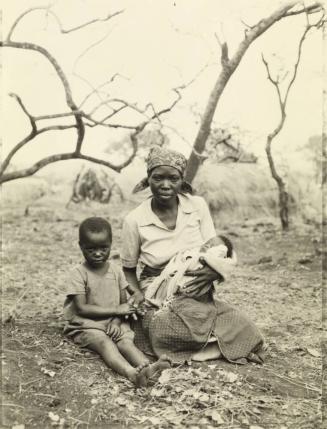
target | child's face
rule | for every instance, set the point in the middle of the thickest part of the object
(96, 248)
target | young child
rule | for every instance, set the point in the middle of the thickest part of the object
(174, 279)
(96, 307)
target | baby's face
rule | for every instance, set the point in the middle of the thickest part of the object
(96, 248)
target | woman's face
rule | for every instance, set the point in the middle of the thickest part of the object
(165, 183)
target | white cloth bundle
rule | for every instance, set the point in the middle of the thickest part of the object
(173, 277)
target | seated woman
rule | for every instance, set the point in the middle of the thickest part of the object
(195, 325)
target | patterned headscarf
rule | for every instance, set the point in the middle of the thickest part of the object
(158, 157)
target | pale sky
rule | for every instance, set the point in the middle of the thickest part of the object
(158, 45)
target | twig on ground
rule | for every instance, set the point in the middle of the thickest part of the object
(13, 311)
(12, 405)
(289, 380)
(45, 394)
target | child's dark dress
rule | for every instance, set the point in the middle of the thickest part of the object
(102, 290)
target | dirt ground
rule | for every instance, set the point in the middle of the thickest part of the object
(48, 382)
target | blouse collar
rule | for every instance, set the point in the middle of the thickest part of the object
(150, 218)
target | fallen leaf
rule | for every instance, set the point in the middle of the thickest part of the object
(314, 352)
(165, 376)
(200, 373)
(265, 260)
(189, 392)
(53, 417)
(157, 393)
(48, 372)
(121, 401)
(229, 377)
(204, 397)
(40, 361)
(154, 420)
(215, 416)
(196, 394)
(130, 407)
(94, 401)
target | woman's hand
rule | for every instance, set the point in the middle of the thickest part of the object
(202, 277)
(138, 298)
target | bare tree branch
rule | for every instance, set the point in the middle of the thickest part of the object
(307, 10)
(89, 48)
(26, 140)
(58, 115)
(283, 194)
(296, 66)
(275, 83)
(62, 30)
(247, 25)
(95, 90)
(229, 67)
(30, 117)
(69, 99)
(93, 21)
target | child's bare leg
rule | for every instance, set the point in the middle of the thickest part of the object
(109, 352)
(131, 353)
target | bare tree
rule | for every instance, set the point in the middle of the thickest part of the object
(282, 100)
(81, 118)
(229, 65)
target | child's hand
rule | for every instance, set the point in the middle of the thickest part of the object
(113, 331)
(127, 308)
(141, 310)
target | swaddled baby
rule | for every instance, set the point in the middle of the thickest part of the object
(173, 280)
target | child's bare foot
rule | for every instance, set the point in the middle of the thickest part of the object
(154, 370)
(150, 372)
(141, 379)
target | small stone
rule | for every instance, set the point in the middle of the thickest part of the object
(265, 260)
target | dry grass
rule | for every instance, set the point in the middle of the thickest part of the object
(48, 382)
(247, 191)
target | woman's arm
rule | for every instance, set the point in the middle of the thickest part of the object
(133, 285)
(94, 311)
(202, 276)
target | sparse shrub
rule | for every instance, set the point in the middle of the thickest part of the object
(91, 185)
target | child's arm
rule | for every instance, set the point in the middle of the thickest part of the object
(94, 311)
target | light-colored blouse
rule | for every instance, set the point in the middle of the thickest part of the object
(147, 240)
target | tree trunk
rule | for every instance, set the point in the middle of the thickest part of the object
(204, 131)
(228, 68)
(283, 206)
(283, 194)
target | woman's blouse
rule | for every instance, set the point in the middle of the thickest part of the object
(146, 239)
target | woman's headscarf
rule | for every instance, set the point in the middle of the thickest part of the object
(158, 157)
